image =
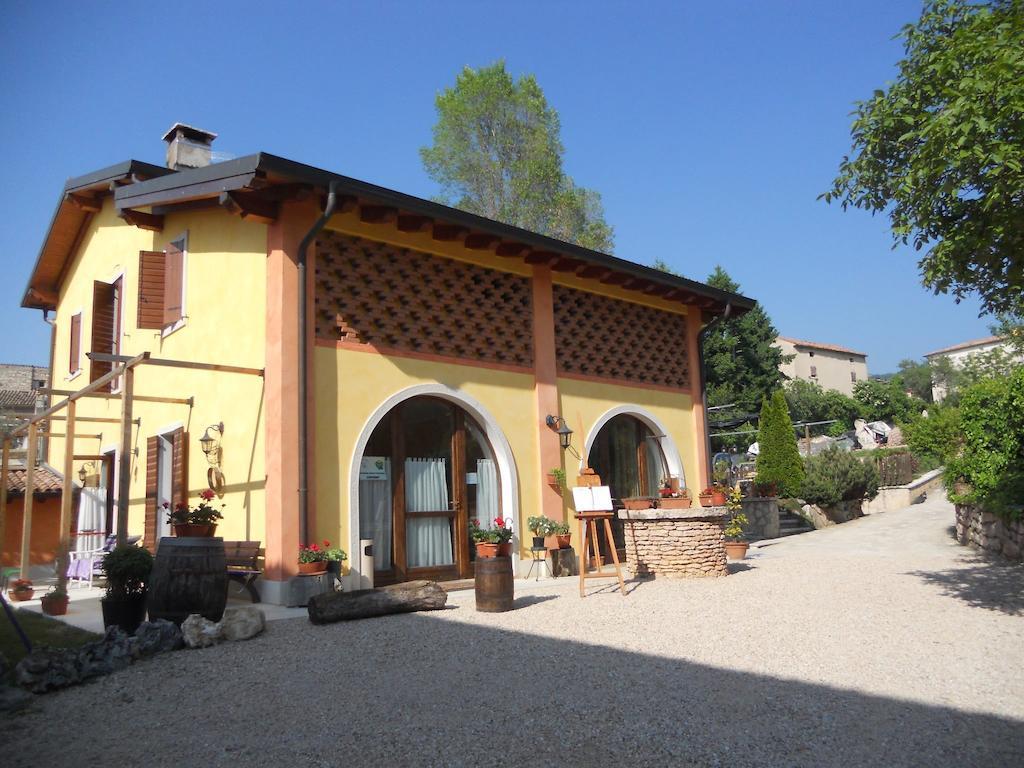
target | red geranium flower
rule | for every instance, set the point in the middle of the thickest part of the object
(326, 543)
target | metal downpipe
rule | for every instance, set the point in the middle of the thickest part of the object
(332, 200)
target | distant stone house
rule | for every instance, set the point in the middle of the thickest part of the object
(958, 354)
(829, 365)
(19, 392)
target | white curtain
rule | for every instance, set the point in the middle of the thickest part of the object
(92, 510)
(428, 540)
(375, 516)
(486, 492)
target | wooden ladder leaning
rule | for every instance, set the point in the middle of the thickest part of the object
(589, 522)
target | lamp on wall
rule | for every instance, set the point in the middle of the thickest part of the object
(558, 424)
(211, 444)
(83, 472)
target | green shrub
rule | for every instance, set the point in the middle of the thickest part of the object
(991, 458)
(885, 401)
(935, 437)
(127, 569)
(808, 402)
(835, 475)
(778, 460)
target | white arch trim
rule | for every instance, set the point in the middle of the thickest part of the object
(673, 459)
(508, 477)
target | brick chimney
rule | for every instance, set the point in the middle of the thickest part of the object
(188, 147)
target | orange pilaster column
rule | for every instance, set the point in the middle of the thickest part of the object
(281, 381)
(545, 388)
(700, 420)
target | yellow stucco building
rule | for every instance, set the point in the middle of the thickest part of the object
(405, 392)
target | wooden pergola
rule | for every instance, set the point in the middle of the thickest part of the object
(122, 366)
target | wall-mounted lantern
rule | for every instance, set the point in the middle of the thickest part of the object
(558, 424)
(211, 444)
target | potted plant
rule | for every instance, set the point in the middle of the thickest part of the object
(713, 496)
(541, 527)
(556, 477)
(735, 545)
(312, 559)
(55, 602)
(639, 502)
(495, 541)
(335, 557)
(678, 500)
(21, 589)
(127, 570)
(562, 536)
(198, 522)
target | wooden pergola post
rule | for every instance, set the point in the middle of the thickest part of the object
(30, 490)
(66, 497)
(124, 459)
(5, 460)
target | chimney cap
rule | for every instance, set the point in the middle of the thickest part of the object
(189, 132)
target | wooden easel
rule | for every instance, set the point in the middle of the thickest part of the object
(589, 534)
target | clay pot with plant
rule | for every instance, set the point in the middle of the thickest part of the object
(55, 602)
(127, 569)
(735, 543)
(199, 522)
(540, 526)
(21, 589)
(495, 541)
(556, 478)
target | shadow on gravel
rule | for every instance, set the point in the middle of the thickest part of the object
(993, 584)
(738, 567)
(523, 602)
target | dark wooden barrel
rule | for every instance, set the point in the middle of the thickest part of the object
(494, 592)
(189, 576)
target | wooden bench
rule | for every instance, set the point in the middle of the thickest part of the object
(243, 561)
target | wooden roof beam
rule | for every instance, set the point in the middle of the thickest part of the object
(511, 250)
(377, 214)
(249, 206)
(189, 401)
(87, 203)
(657, 289)
(615, 278)
(541, 257)
(449, 233)
(592, 271)
(481, 242)
(408, 222)
(102, 358)
(566, 265)
(148, 221)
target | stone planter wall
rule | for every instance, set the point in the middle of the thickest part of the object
(977, 528)
(823, 517)
(762, 517)
(675, 543)
(899, 496)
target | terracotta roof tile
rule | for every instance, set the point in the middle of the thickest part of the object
(17, 399)
(967, 345)
(45, 479)
(829, 347)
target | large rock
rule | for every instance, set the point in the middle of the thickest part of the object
(200, 632)
(12, 699)
(47, 669)
(157, 636)
(365, 603)
(242, 623)
(115, 651)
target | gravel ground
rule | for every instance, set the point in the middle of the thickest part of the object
(878, 642)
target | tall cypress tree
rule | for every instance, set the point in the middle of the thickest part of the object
(778, 458)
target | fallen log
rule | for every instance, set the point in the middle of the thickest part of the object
(367, 603)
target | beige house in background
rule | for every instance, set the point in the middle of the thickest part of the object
(829, 365)
(958, 354)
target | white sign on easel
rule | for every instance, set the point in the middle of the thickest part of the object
(597, 498)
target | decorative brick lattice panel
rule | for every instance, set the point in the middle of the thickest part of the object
(393, 298)
(600, 336)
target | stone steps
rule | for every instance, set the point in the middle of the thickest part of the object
(791, 524)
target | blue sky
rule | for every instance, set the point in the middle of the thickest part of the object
(709, 128)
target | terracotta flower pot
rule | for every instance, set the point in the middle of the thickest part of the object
(18, 595)
(675, 503)
(705, 499)
(505, 549)
(736, 550)
(54, 606)
(195, 531)
(486, 549)
(638, 503)
(718, 499)
(563, 540)
(314, 568)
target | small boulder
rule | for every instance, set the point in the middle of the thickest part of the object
(242, 623)
(48, 669)
(13, 699)
(200, 632)
(115, 651)
(157, 636)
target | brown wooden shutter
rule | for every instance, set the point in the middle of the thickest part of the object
(179, 468)
(174, 275)
(151, 289)
(75, 356)
(152, 462)
(102, 326)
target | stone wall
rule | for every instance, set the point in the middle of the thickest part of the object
(984, 530)
(823, 517)
(19, 378)
(675, 543)
(892, 497)
(762, 518)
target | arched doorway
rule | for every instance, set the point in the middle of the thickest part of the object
(427, 468)
(628, 456)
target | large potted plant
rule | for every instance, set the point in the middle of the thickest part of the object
(540, 526)
(198, 522)
(21, 589)
(313, 559)
(735, 544)
(127, 570)
(335, 557)
(55, 602)
(495, 541)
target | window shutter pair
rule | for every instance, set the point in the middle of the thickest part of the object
(75, 355)
(103, 324)
(179, 481)
(161, 279)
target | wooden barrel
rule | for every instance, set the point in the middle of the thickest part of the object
(189, 576)
(494, 592)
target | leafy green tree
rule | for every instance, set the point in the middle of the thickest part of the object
(935, 437)
(886, 401)
(497, 152)
(808, 402)
(778, 459)
(917, 377)
(740, 353)
(941, 150)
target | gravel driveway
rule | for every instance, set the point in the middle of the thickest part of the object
(878, 642)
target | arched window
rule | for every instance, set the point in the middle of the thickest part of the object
(628, 457)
